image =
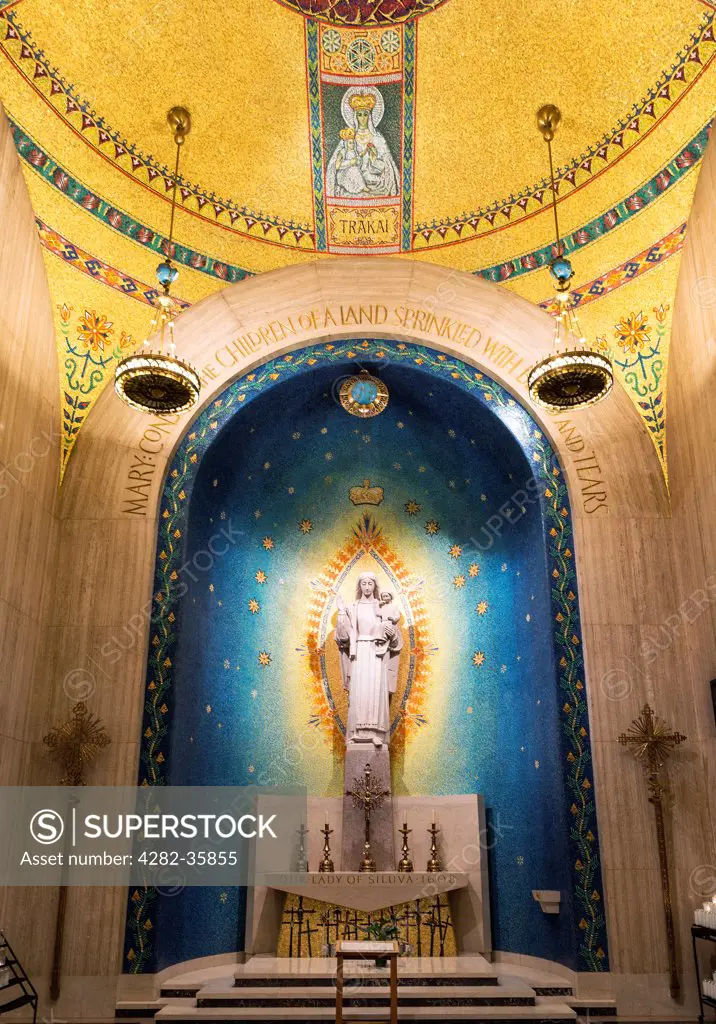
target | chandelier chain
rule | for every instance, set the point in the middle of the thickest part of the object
(554, 198)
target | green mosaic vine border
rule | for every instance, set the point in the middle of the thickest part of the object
(313, 83)
(410, 37)
(590, 927)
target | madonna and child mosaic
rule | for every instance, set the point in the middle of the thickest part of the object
(361, 99)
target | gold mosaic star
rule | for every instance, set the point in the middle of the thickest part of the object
(481, 607)
(458, 582)
(264, 659)
(253, 605)
(260, 576)
(455, 551)
(478, 658)
(474, 570)
(305, 526)
(268, 543)
(412, 507)
(432, 527)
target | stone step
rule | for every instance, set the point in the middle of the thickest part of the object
(593, 1009)
(184, 991)
(147, 1009)
(553, 991)
(546, 1012)
(367, 975)
(515, 993)
(374, 977)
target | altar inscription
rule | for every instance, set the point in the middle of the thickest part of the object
(366, 891)
(412, 880)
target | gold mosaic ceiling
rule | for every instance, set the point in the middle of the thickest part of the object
(449, 166)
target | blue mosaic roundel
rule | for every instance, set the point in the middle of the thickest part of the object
(364, 392)
(364, 395)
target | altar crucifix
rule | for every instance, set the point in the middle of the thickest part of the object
(367, 793)
(651, 742)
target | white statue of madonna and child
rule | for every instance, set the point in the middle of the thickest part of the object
(369, 642)
(362, 165)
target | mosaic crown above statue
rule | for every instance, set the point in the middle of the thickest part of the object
(365, 494)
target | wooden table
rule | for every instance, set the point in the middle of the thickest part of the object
(350, 949)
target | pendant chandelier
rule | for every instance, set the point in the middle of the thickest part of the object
(156, 380)
(574, 375)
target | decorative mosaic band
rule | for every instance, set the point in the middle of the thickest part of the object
(667, 246)
(72, 254)
(59, 178)
(677, 169)
(56, 176)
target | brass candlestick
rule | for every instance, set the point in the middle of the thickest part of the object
(434, 863)
(302, 832)
(326, 864)
(406, 863)
(651, 743)
(368, 794)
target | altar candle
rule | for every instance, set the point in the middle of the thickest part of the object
(433, 815)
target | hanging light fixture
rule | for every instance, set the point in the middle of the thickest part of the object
(574, 375)
(156, 380)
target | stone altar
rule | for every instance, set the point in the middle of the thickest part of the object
(463, 850)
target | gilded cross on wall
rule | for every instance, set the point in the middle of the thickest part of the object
(74, 745)
(651, 742)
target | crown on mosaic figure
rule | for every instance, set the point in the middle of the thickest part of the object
(361, 101)
(366, 495)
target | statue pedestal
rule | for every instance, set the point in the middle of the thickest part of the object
(382, 835)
